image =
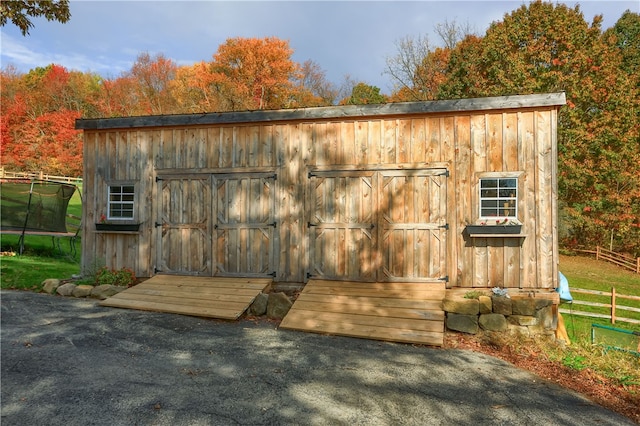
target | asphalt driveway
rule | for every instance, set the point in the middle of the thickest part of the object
(69, 361)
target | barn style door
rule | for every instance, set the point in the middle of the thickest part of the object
(244, 224)
(413, 225)
(184, 225)
(342, 226)
(378, 225)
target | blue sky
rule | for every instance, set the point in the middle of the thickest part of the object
(344, 37)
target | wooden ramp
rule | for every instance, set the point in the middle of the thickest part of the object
(212, 297)
(397, 312)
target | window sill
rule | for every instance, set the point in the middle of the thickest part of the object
(497, 235)
(494, 231)
(118, 227)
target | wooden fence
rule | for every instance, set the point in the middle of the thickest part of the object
(616, 258)
(612, 307)
(38, 175)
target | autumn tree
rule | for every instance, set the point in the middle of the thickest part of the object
(419, 68)
(544, 47)
(153, 76)
(313, 88)
(20, 11)
(193, 89)
(252, 73)
(37, 114)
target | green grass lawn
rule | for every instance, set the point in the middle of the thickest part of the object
(587, 273)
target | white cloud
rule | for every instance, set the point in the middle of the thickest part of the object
(25, 56)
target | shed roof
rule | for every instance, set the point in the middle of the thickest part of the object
(328, 113)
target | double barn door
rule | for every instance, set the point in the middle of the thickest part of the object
(378, 225)
(387, 225)
(216, 225)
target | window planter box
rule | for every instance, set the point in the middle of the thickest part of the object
(493, 229)
(118, 227)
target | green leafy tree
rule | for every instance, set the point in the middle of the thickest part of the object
(363, 94)
(626, 37)
(543, 47)
(20, 11)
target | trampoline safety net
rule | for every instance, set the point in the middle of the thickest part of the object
(33, 206)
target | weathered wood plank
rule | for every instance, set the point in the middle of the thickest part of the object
(431, 311)
(252, 283)
(367, 332)
(545, 231)
(411, 295)
(190, 310)
(189, 291)
(191, 296)
(378, 311)
(375, 319)
(178, 298)
(382, 286)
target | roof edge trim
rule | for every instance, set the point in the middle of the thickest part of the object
(327, 113)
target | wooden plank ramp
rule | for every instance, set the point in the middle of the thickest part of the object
(397, 312)
(211, 297)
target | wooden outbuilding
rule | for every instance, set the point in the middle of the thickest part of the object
(461, 192)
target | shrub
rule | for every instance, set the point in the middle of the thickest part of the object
(120, 277)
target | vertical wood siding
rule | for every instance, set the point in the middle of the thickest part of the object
(466, 144)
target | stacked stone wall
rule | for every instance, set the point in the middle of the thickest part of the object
(524, 314)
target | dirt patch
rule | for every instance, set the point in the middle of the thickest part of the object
(599, 389)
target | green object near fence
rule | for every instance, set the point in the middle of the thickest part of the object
(616, 338)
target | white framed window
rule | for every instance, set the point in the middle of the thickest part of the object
(498, 197)
(121, 201)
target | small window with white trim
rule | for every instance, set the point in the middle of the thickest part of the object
(120, 202)
(499, 197)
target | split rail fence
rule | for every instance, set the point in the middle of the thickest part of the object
(612, 307)
(616, 258)
(38, 175)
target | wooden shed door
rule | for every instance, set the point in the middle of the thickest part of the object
(413, 225)
(378, 225)
(184, 245)
(244, 224)
(342, 226)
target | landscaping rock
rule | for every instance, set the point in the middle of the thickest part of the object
(501, 305)
(50, 285)
(485, 304)
(462, 323)
(459, 305)
(523, 306)
(82, 291)
(66, 289)
(278, 305)
(542, 303)
(493, 322)
(546, 319)
(259, 305)
(105, 291)
(524, 320)
(519, 330)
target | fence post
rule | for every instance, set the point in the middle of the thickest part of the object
(613, 305)
(637, 265)
(597, 252)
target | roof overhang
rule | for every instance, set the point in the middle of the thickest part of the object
(327, 113)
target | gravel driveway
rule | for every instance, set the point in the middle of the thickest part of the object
(69, 361)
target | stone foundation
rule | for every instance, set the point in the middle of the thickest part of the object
(529, 314)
